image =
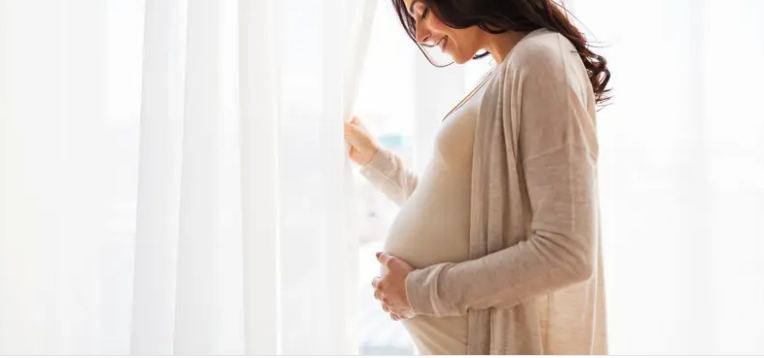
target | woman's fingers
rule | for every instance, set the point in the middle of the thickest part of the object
(396, 313)
(351, 131)
(384, 258)
(350, 134)
(358, 124)
(362, 143)
(377, 290)
(394, 267)
(356, 131)
(356, 141)
(354, 127)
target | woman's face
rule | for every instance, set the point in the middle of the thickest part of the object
(460, 44)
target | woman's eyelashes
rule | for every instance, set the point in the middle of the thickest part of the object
(424, 14)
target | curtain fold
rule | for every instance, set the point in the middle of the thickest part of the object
(59, 182)
(158, 198)
(219, 268)
(260, 96)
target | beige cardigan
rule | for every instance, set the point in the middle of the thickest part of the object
(534, 283)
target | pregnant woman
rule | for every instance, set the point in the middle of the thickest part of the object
(496, 248)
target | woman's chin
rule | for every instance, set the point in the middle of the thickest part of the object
(460, 59)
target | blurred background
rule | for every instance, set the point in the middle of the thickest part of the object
(681, 172)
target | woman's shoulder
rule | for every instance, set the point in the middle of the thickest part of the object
(542, 52)
(541, 58)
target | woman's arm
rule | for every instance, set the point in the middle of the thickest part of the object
(558, 252)
(387, 172)
(558, 155)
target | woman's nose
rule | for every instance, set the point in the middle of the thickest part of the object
(422, 34)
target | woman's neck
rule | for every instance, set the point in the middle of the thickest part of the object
(499, 45)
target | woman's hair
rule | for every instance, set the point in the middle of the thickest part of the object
(498, 16)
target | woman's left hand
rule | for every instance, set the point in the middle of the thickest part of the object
(390, 289)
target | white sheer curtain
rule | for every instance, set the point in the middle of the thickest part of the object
(242, 243)
(682, 174)
(238, 238)
(67, 174)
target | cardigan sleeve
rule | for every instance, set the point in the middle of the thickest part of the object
(387, 172)
(558, 155)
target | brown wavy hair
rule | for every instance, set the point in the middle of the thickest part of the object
(499, 16)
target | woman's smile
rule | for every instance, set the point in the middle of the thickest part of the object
(443, 43)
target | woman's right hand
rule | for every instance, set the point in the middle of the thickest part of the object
(362, 146)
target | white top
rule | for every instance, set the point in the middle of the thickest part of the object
(433, 224)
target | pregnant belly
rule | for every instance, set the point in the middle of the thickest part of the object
(433, 335)
(422, 243)
(431, 229)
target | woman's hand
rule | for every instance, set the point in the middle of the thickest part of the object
(362, 145)
(390, 289)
